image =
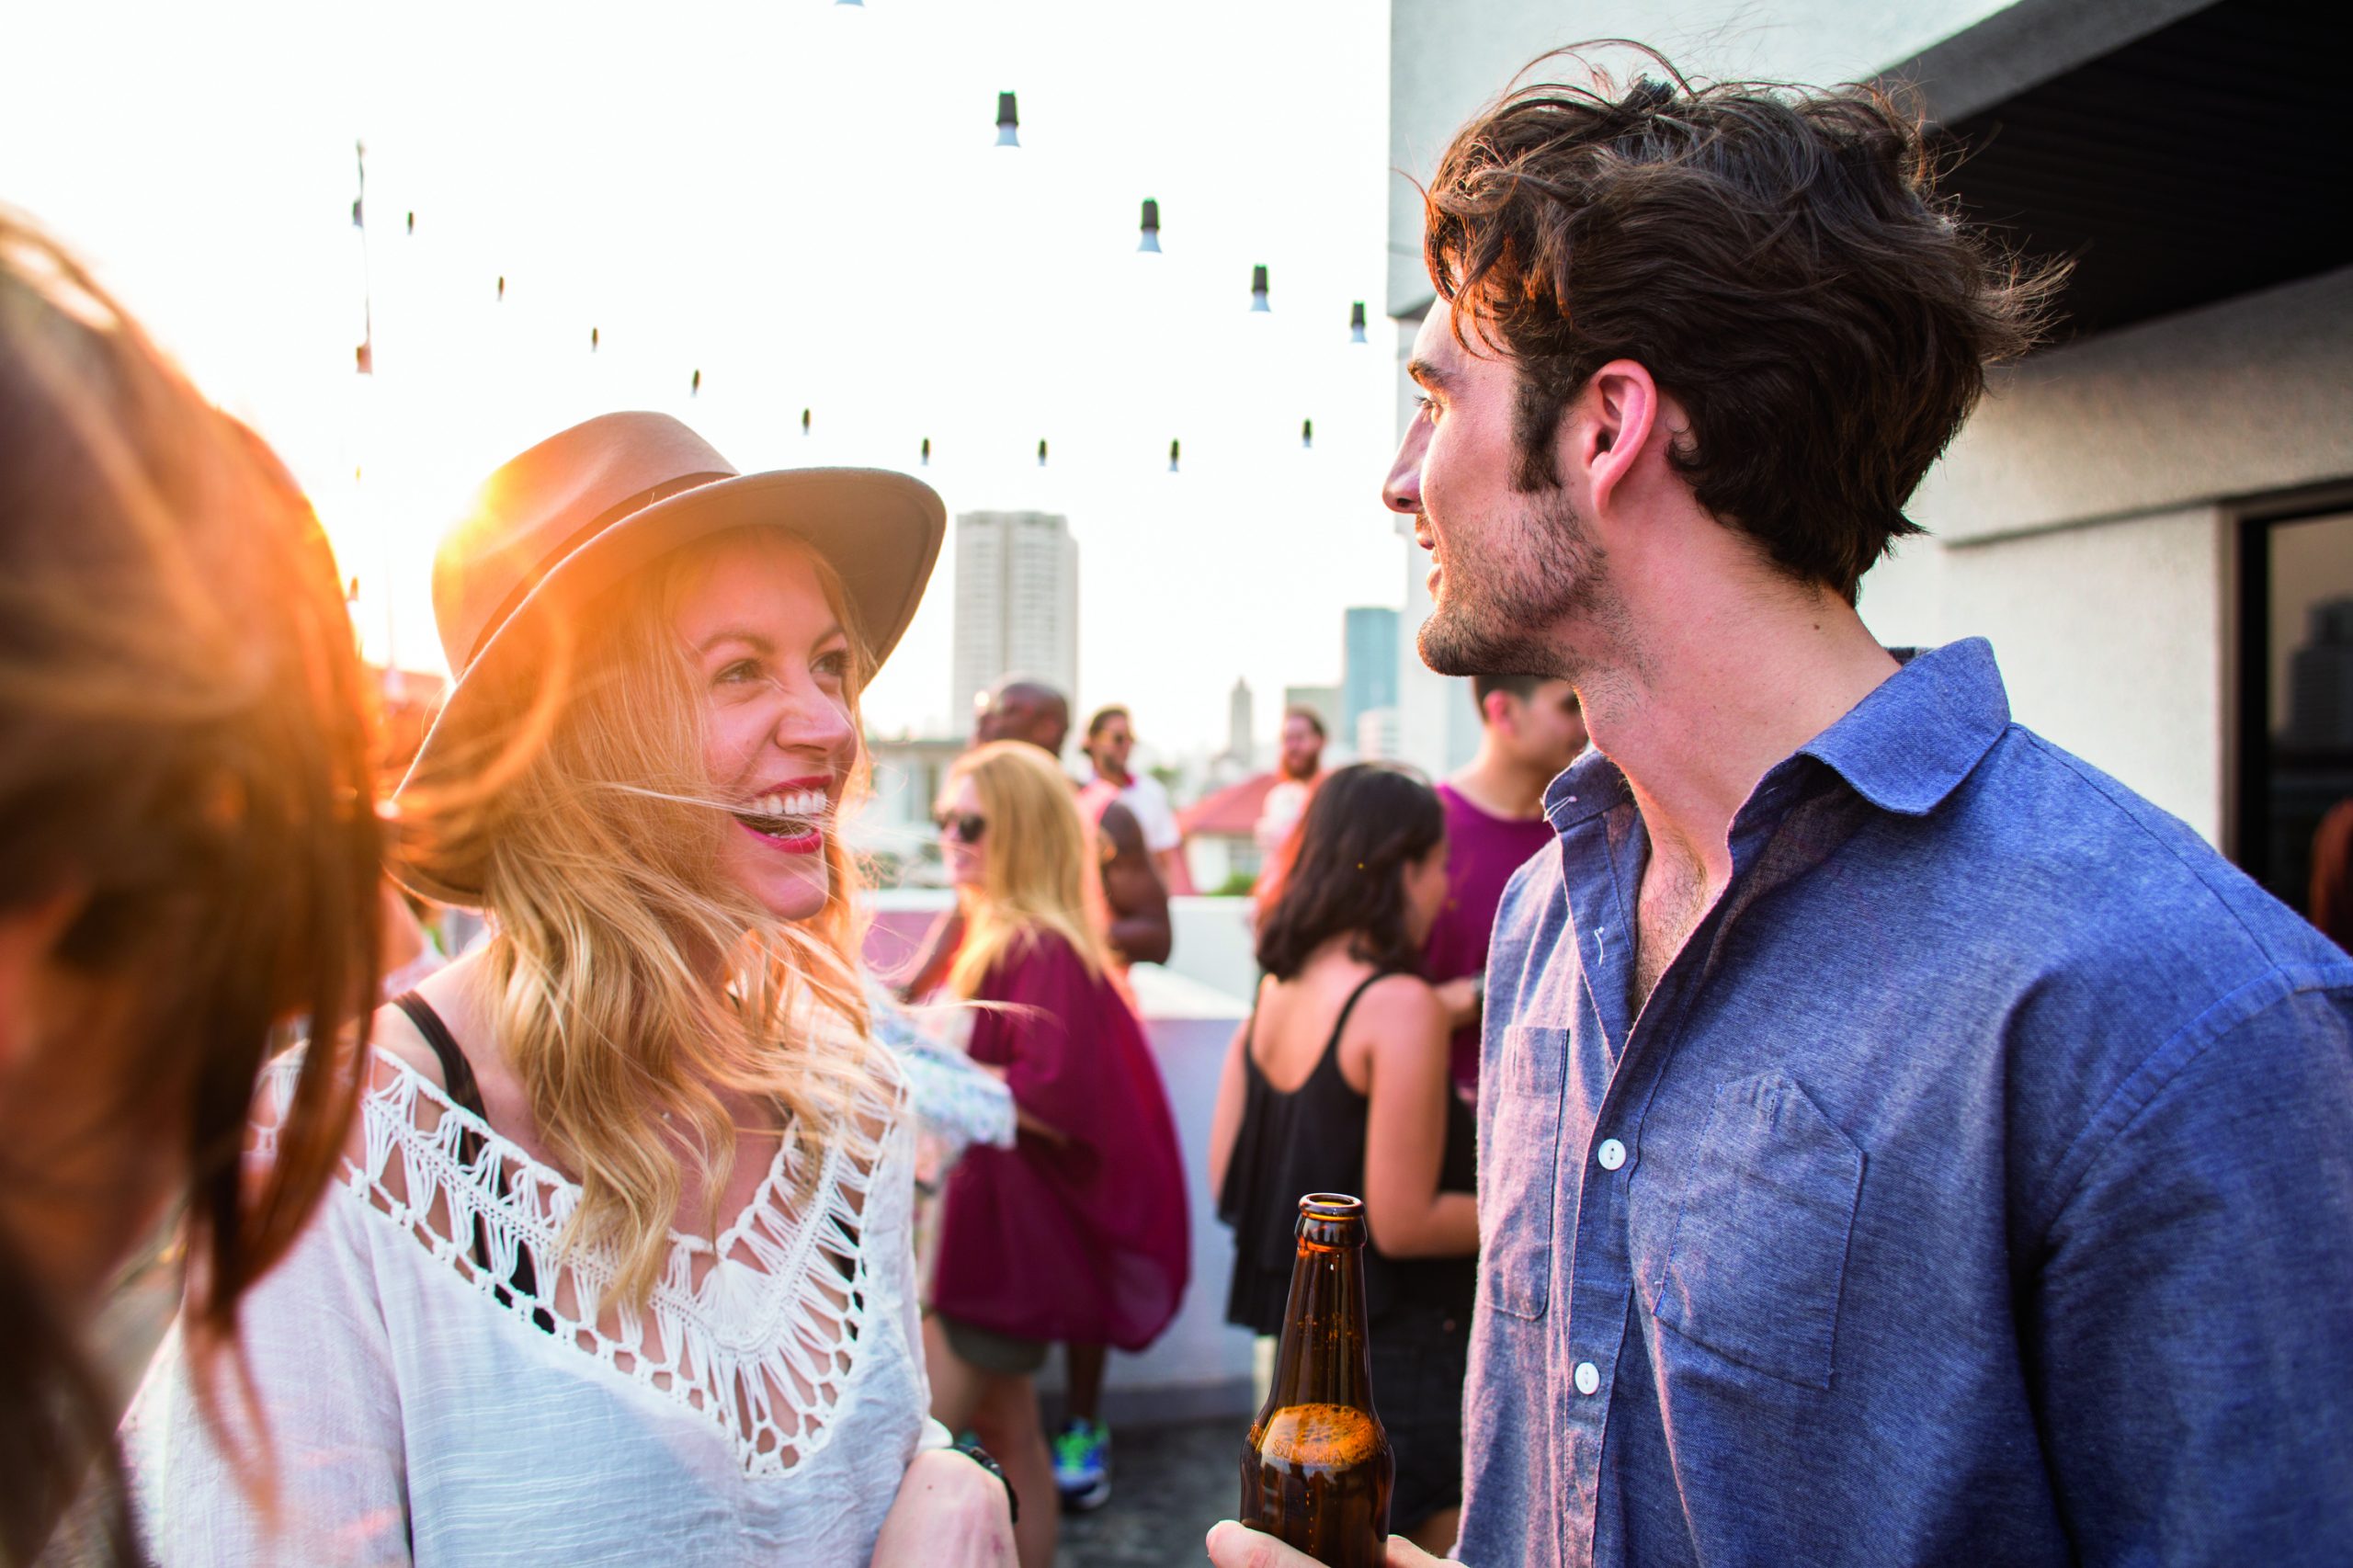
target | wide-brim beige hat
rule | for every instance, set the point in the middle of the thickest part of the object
(584, 509)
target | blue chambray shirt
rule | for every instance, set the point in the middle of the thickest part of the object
(1976, 1188)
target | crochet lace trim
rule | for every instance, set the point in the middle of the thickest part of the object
(760, 1333)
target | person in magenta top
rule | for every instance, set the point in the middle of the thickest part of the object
(1529, 731)
(1078, 1232)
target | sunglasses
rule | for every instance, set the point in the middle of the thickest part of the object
(965, 827)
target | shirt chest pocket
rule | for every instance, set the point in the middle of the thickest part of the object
(1758, 1259)
(1520, 1172)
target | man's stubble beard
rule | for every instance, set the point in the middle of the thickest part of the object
(1498, 617)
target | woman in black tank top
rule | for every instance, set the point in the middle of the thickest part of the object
(1339, 1082)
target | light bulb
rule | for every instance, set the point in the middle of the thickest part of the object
(1172, 457)
(694, 388)
(1041, 451)
(1258, 289)
(1355, 321)
(1307, 432)
(1151, 240)
(1008, 122)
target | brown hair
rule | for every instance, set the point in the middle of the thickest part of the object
(1104, 715)
(1315, 720)
(185, 758)
(1776, 257)
(1365, 825)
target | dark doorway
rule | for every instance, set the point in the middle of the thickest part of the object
(2295, 741)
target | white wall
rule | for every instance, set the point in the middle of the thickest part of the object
(2083, 521)
(2110, 640)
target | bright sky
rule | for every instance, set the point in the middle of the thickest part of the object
(800, 200)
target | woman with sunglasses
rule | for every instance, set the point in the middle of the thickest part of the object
(1078, 1232)
(619, 1264)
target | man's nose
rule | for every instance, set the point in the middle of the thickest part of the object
(1401, 492)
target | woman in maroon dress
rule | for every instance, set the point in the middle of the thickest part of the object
(1079, 1232)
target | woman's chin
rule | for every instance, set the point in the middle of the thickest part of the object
(789, 896)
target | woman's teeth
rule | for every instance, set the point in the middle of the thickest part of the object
(797, 804)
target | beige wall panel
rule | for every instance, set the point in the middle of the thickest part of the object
(2252, 395)
(2110, 641)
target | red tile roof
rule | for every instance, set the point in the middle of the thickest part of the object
(1232, 811)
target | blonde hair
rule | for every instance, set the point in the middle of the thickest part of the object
(1033, 862)
(630, 980)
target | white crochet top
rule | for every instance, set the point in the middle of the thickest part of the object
(760, 1408)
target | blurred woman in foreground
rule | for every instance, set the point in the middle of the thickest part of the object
(1078, 1232)
(188, 858)
(620, 1266)
(1338, 1082)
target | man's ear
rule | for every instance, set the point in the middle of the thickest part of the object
(29, 938)
(1617, 416)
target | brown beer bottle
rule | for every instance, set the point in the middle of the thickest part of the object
(1316, 1469)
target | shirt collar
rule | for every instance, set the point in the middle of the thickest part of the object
(1911, 742)
(1904, 747)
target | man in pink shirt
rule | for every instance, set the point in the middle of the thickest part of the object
(1530, 729)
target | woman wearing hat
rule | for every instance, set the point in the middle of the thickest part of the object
(621, 1265)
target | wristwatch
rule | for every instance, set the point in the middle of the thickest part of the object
(972, 1449)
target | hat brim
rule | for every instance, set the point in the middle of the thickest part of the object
(880, 531)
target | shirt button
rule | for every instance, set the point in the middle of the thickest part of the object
(1612, 1154)
(1588, 1377)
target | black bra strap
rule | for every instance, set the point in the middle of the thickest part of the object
(1339, 1025)
(457, 1072)
(457, 1079)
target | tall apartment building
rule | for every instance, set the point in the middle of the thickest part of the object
(1017, 603)
(1368, 668)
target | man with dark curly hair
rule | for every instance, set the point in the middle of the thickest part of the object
(1899, 1142)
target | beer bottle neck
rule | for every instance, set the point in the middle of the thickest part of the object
(1324, 1359)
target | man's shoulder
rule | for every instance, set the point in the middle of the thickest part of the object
(2055, 844)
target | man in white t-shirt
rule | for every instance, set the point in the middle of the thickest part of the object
(1111, 739)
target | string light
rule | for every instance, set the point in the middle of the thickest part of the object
(1008, 122)
(1258, 289)
(1172, 457)
(1041, 451)
(694, 388)
(412, 224)
(804, 422)
(1356, 323)
(1307, 433)
(502, 288)
(927, 452)
(1151, 240)
(596, 340)
(365, 354)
